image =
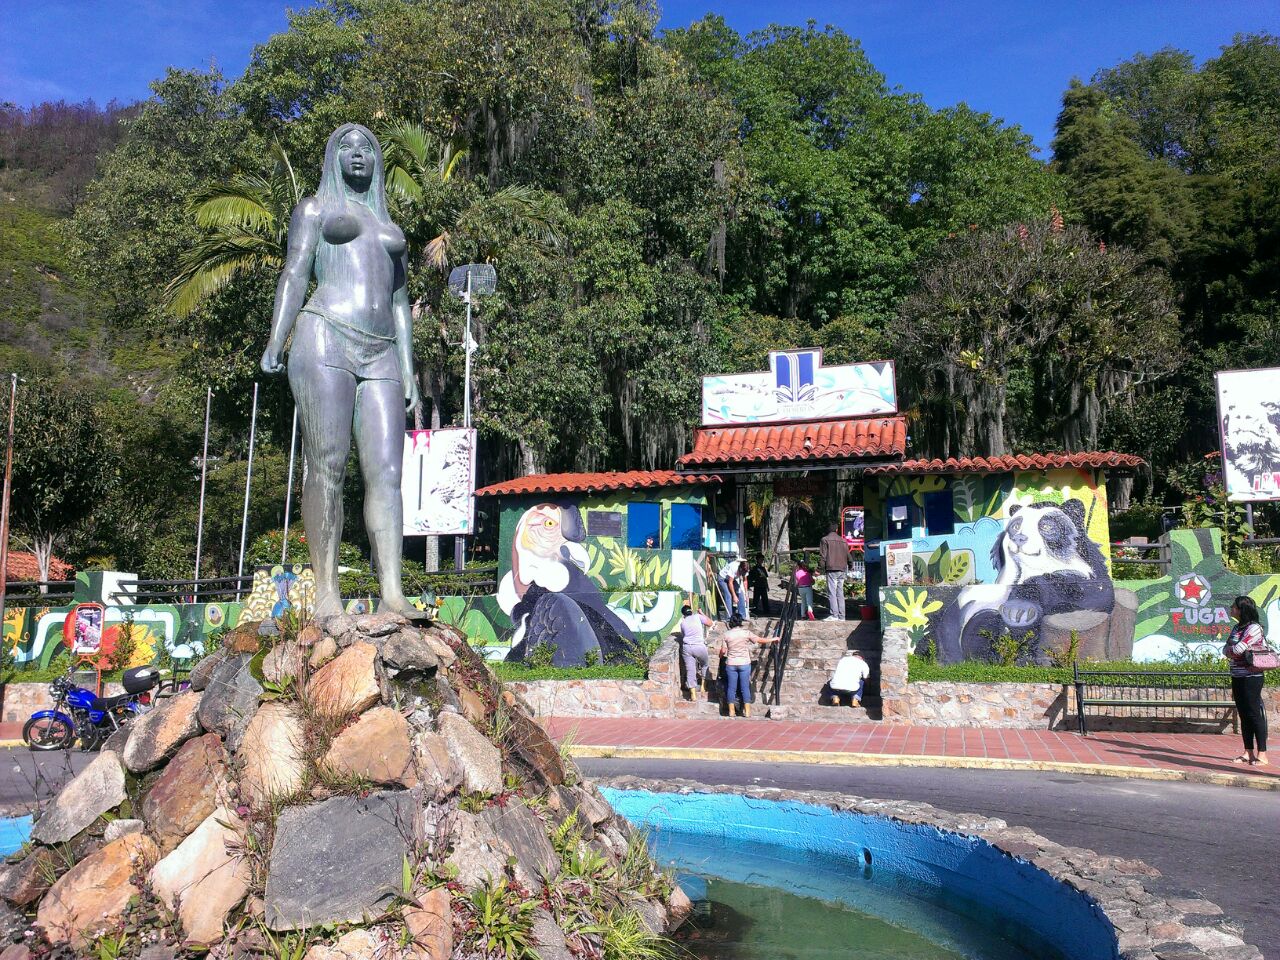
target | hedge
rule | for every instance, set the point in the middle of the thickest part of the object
(522, 673)
(922, 669)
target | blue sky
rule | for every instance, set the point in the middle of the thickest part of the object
(1011, 58)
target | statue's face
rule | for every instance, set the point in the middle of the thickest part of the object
(355, 158)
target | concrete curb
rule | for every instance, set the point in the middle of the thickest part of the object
(912, 760)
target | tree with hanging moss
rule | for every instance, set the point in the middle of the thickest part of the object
(1028, 336)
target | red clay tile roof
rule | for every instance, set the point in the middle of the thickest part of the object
(1010, 462)
(828, 440)
(21, 566)
(594, 482)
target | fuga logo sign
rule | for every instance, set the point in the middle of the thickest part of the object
(1196, 612)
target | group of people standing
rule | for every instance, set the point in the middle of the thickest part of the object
(734, 643)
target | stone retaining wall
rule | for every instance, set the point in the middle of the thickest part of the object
(1032, 706)
(656, 696)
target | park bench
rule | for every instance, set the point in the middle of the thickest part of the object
(1164, 694)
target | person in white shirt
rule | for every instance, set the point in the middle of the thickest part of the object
(733, 588)
(849, 678)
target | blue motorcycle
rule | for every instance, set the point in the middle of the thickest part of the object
(78, 712)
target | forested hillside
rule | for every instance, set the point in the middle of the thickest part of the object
(658, 206)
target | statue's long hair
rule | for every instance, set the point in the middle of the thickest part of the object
(334, 195)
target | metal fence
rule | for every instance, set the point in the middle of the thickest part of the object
(39, 593)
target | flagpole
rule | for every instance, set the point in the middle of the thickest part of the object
(248, 482)
(204, 472)
(288, 494)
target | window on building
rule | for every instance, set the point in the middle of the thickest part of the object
(686, 526)
(897, 516)
(644, 525)
(939, 513)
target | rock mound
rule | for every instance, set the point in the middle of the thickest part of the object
(362, 787)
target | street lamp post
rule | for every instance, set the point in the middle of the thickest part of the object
(468, 282)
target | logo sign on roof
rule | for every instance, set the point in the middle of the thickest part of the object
(1249, 418)
(798, 387)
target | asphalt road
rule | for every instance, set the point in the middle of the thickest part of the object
(27, 777)
(1222, 843)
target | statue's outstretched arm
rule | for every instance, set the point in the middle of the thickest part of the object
(304, 234)
(404, 333)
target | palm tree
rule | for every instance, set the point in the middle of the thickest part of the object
(771, 515)
(246, 223)
(423, 172)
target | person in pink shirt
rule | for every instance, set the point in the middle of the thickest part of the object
(804, 581)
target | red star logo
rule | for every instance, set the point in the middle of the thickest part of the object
(1192, 590)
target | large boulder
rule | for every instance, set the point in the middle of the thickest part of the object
(477, 758)
(355, 944)
(409, 650)
(346, 685)
(186, 791)
(536, 748)
(202, 672)
(273, 754)
(230, 699)
(283, 661)
(375, 748)
(92, 896)
(479, 855)
(205, 878)
(25, 881)
(340, 860)
(158, 734)
(98, 788)
(437, 772)
(430, 926)
(525, 835)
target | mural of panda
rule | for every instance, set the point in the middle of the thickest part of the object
(1045, 564)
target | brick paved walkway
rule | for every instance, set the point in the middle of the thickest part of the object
(1192, 755)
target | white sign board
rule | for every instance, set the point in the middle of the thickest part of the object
(897, 563)
(798, 387)
(1249, 421)
(438, 484)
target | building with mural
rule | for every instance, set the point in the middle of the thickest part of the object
(589, 563)
(963, 552)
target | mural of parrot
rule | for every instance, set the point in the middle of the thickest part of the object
(548, 595)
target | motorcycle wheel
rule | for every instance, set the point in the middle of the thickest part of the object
(48, 733)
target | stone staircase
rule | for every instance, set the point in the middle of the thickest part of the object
(816, 646)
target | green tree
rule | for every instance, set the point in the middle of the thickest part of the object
(61, 464)
(1123, 195)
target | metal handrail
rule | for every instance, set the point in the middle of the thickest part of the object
(782, 648)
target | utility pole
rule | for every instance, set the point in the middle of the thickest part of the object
(4, 501)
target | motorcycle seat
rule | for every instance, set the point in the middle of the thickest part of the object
(110, 703)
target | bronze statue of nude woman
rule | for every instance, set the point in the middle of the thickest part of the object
(351, 360)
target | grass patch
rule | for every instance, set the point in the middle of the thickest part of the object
(520, 672)
(922, 669)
